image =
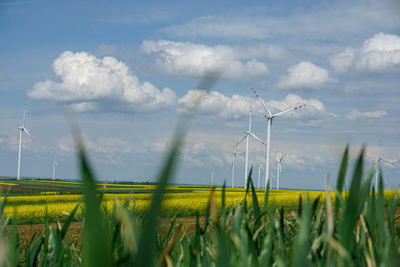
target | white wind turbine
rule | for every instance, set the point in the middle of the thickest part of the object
(54, 168)
(279, 169)
(269, 117)
(247, 137)
(378, 161)
(259, 174)
(21, 130)
(234, 154)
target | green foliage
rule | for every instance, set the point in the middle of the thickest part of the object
(351, 228)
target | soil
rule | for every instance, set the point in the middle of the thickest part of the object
(28, 231)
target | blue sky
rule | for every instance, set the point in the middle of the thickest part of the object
(129, 69)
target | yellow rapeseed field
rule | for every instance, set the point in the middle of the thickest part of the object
(27, 208)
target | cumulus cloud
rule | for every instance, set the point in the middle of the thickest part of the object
(304, 75)
(314, 108)
(85, 80)
(193, 60)
(235, 106)
(216, 104)
(356, 114)
(379, 53)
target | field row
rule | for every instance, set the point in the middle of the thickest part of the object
(34, 208)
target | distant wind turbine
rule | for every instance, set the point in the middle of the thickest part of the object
(246, 136)
(54, 168)
(259, 173)
(234, 154)
(279, 169)
(269, 117)
(21, 130)
(378, 161)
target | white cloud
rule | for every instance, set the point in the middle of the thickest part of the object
(314, 108)
(219, 105)
(85, 79)
(379, 53)
(216, 104)
(356, 114)
(193, 60)
(84, 106)
(343, 61)
(304, 75)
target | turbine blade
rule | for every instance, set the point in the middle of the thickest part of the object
(257, 138)
(286, 111)
(26, 131)
(284, 155)
(389, 162)
(262, 102)
(240, 141)
(23, 117)
(250, 118)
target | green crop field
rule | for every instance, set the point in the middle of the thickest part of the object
(239, 227)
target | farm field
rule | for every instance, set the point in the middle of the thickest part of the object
(235, 227)
(30, 201)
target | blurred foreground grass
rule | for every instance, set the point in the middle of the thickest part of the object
(359, 228)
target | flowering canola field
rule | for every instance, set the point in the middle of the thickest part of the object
(57, 206)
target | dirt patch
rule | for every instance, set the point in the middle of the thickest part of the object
(29, 231)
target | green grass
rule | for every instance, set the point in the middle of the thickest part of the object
(357, 230)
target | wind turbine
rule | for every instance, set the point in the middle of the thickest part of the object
(269, 117)
(22, 129)
(279, 169)
(259, 174)
(54, 168)
(234, 154)
(247, 136)
(380, 159)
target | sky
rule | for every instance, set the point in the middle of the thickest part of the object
(128, 70)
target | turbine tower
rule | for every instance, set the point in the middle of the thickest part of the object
(234, 154)
(378, 161)
(259, 173)
(269, 117)
(22, 129)
(54, 168)
(247, 136)
(279, 170)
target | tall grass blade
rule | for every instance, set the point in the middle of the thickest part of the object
(302, 243)
(96, 243)
(146, 248)
(353, 204)
(342, 171)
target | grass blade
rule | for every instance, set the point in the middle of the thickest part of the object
(96, 243)
(342, 171)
